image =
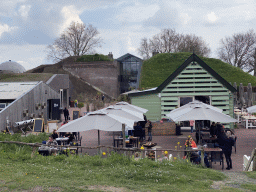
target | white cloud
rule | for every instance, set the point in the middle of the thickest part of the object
(185, 18)
(138, 12)
(212, 17)
(24, 10)
(70, 14)
(6, 28)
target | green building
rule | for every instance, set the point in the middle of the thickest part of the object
(193, 80)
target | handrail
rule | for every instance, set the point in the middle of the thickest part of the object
(250, 161)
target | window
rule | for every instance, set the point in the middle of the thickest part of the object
(185, 100)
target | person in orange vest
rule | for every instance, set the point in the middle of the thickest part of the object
(191, 123)
(190, 143)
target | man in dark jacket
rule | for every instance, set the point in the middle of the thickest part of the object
(227, 149)
(66, 113)
(212, 129)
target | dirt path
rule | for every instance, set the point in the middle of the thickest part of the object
(234, 179)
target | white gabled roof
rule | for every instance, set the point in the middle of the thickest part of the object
(138, 91)
(13, 90)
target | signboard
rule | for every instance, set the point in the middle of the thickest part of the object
(38, 125)
(75, 115)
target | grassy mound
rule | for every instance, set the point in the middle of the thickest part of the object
(91, 58)
(158, 68)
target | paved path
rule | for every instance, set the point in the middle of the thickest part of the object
(246, 141)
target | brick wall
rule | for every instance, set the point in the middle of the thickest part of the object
(162, 129)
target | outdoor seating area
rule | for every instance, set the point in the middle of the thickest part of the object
(61, 145)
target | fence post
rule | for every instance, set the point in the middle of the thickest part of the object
(254, 162)
(202, 157)
(123, 131)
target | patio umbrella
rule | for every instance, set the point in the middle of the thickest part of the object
(196, 103)
(122, 112)
(251, 109)
(200, 113)
(125, 105)
(97, 120)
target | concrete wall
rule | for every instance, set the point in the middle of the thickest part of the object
(39, 94)
(102, 74)
(60, 81)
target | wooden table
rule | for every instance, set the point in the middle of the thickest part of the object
(63, 140)
(209, 139)
(134, 141)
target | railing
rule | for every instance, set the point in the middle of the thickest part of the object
(251, 163)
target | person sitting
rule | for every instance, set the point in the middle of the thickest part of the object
(54, 134)
(190, 143)
(70, 136)
(52, 146)
(195, 156)
(51, 142)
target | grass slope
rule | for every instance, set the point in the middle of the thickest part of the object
(158, 68)
(25, 77)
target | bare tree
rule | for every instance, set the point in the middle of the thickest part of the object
(238, 50)
(145, 48)
(168, 41)
(192, 43)
(78, 39)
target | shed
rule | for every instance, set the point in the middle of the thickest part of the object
(193, 80)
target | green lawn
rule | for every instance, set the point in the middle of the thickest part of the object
(91, 58)
(158, 68)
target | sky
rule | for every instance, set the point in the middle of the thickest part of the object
(28, 26)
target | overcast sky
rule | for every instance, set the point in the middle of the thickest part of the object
(27, 27)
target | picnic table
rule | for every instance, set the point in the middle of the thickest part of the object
(246, 123)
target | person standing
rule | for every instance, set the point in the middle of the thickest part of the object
(227, 149)
(150, 131)
(191, 123)
(103, 98)
(76, 103)
(66, 113)
(212, 129)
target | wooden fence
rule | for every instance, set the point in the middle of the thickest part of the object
(126, 151)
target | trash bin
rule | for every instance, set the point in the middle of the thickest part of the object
(178, 130)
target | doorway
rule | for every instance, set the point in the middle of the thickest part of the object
(204, 99)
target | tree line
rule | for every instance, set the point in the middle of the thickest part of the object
(238, 50)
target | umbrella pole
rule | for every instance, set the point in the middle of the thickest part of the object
(98, 141)
(98, 137)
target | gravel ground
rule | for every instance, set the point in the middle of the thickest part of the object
(234, 179)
